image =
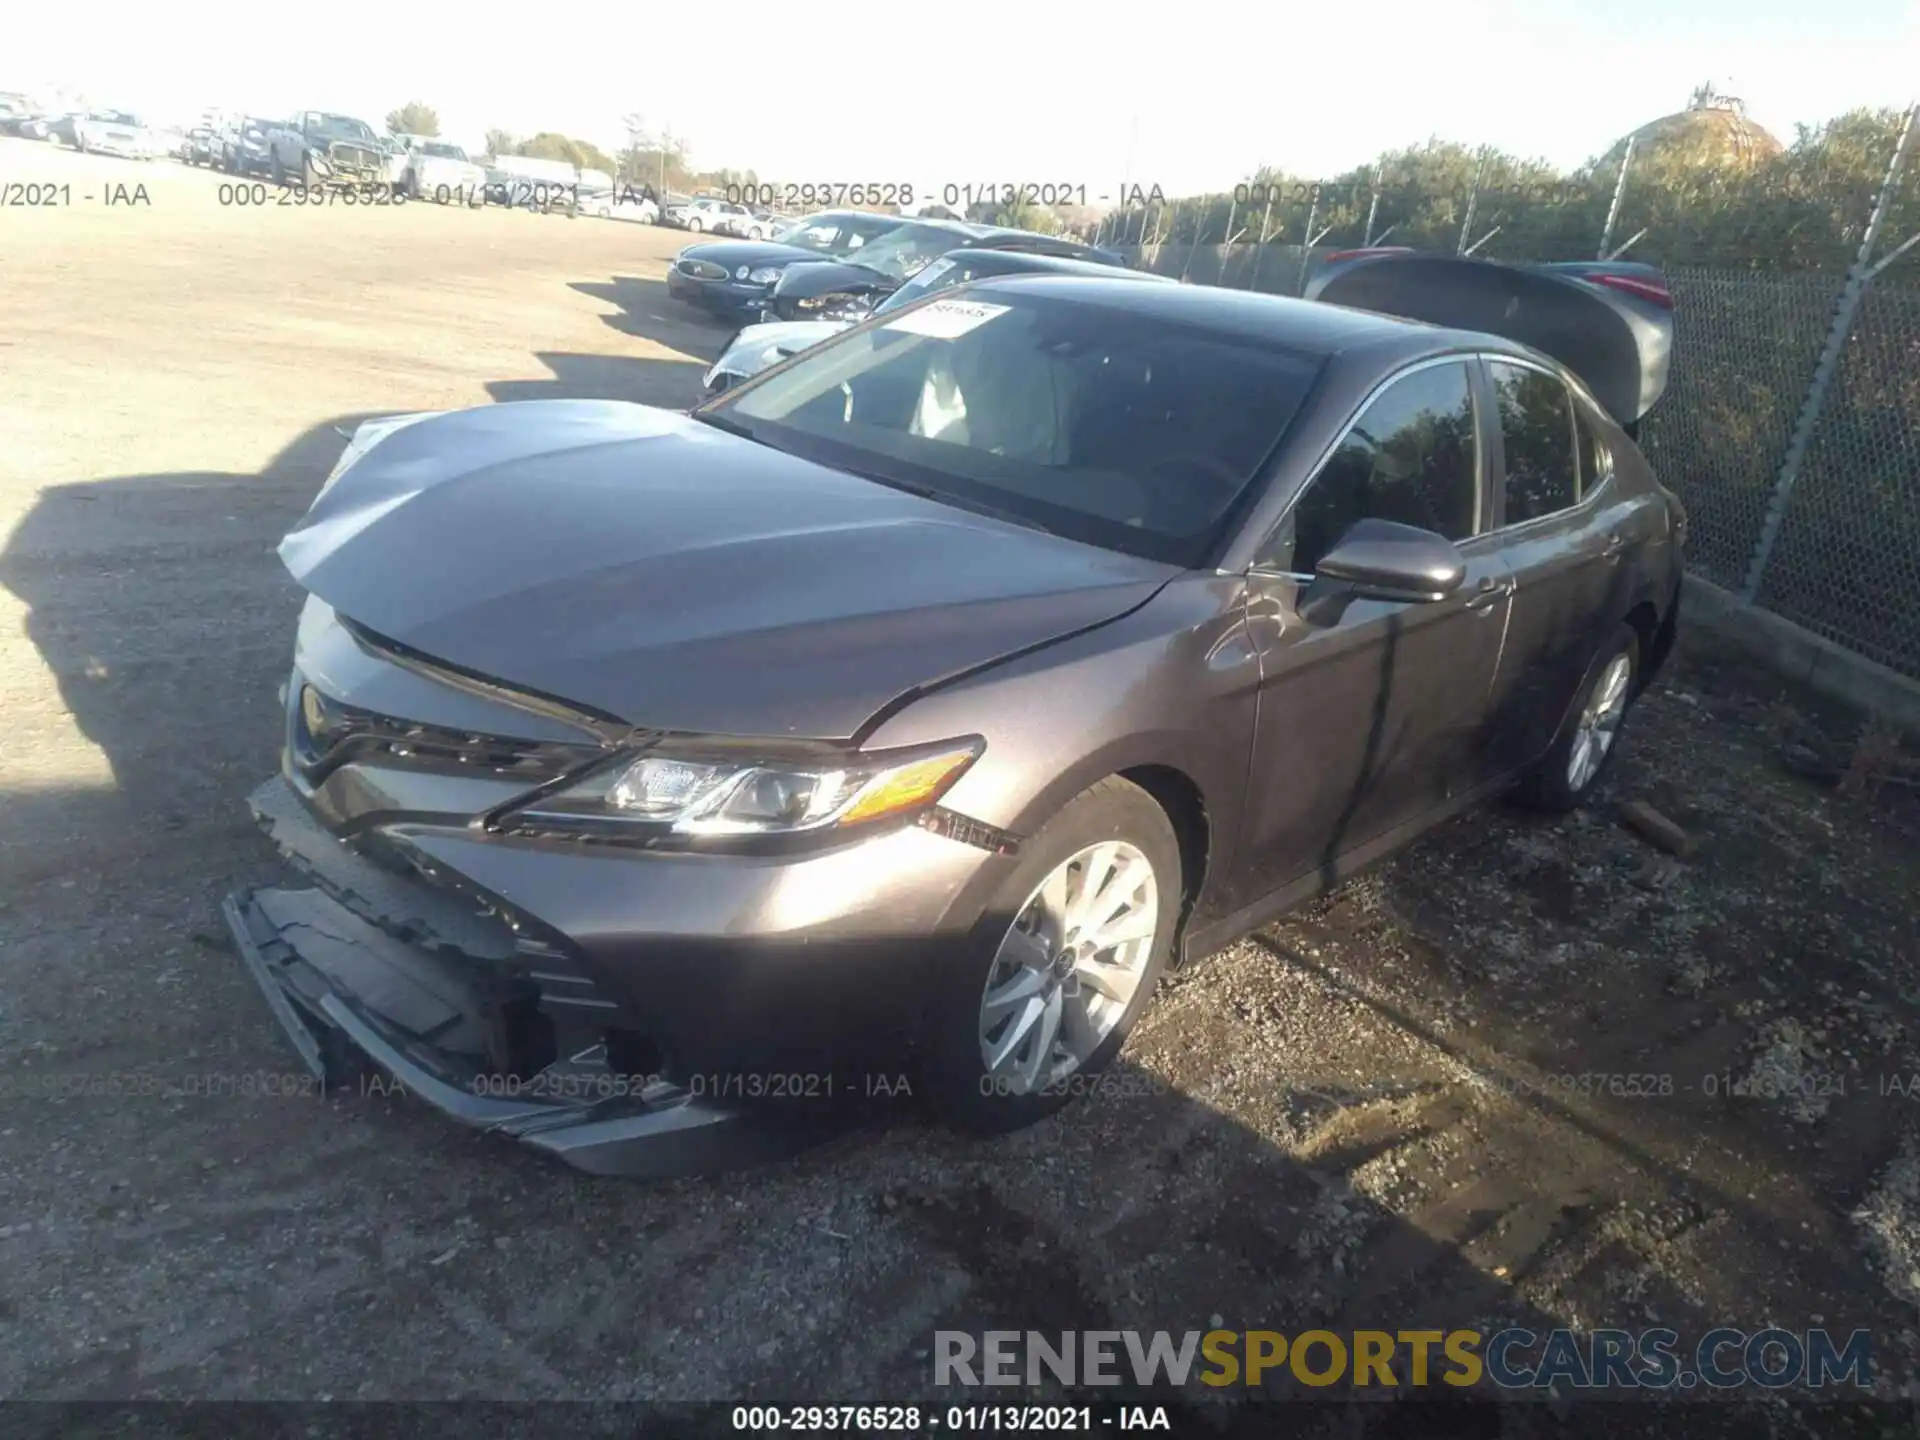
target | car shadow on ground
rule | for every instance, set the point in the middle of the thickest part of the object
(649, 311)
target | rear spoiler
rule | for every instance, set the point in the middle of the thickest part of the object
(1609, 322)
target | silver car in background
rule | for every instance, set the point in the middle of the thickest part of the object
(116, 132)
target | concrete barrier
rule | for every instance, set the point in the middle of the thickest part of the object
(1801, 656)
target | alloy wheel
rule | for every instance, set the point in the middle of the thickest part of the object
(1069, 967)
(1599, 722)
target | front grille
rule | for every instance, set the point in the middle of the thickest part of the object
(702, 270)
(328, 734)
(354, 157)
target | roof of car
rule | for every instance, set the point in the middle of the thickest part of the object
(1026, 262)
(1305, 326)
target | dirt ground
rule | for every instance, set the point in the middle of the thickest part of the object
(1372, 1115)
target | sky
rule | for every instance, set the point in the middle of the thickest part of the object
(1190, 98)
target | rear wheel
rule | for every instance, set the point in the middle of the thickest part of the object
(1572, 769)
(1062, 965)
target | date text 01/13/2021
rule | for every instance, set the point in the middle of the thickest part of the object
(955, 1419)
(826, 194)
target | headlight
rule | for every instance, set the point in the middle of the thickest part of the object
(765, 275)
(694, 795)
(369, 434)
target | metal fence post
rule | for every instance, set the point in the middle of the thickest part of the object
(1613, 210)
(1260, 249)
(1373, 205)
(1306, 241)
(1859, 275)
(1473, 200)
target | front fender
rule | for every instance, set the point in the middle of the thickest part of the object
(1173, 684)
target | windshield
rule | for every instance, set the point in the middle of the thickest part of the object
(818, 232)
(937, 276)
(903, 253)
(445, 152)
(1098, 423)
(342, 127)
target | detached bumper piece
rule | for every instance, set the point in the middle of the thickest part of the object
(353, 998)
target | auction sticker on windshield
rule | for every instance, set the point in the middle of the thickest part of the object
(946, 319)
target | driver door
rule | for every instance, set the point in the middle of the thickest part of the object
(1373, 713)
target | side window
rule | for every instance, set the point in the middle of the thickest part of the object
(1536, 417)
(1410, 457)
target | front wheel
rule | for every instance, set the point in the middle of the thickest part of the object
(1061, 966)
(1568, 775)
(696, 226)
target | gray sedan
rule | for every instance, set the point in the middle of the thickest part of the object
(661, 780)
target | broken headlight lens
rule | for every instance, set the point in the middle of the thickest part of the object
(701, 796)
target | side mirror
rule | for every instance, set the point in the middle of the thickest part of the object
(1389, 561)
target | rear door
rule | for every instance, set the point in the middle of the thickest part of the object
(1555, 531)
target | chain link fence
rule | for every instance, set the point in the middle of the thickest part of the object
(1744, 346)
(1790, 428)
(1846, 564)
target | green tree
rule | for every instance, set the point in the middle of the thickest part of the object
(413, 118)
(501, 142)
(550, 145)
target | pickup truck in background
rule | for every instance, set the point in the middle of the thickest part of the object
(315, 149)
(440, 171)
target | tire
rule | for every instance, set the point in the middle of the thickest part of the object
(276, 169)
(957, 1029)
(696, 225)
(1556, 785)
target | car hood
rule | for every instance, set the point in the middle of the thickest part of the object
(639, 563)
(734, 253)
(827, 277)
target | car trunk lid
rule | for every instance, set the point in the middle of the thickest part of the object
(1610, 322)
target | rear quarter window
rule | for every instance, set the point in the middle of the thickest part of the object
(1537, 424)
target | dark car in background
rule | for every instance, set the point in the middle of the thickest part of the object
(734, 278)
(911, 708)
(849, 288)
(768, 343)
(244, 146)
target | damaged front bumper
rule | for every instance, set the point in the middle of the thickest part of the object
(365, 977)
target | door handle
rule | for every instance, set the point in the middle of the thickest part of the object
(1490, 592)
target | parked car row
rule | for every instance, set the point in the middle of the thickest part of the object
(839, 263)
(95, 131)
(709, 214)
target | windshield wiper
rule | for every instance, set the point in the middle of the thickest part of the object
(944, 497)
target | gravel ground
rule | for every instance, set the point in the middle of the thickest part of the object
(1370, 1115)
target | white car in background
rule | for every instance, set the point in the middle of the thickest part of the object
(443, 173)
(117, 132)
(753, 225)
(624, 203)
(706, 213)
